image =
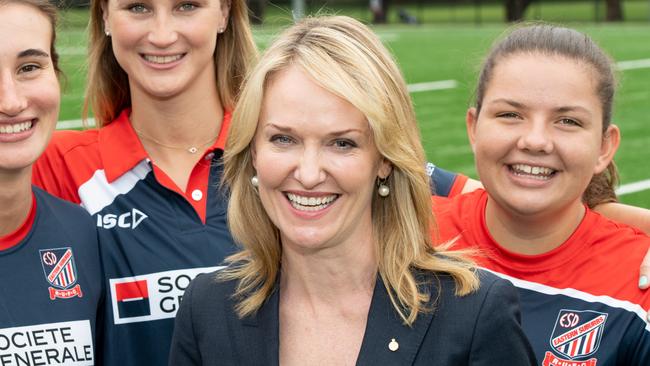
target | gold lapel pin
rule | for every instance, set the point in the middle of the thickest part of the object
(393, 345)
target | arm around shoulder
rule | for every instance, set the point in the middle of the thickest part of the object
(630, 215)
(498, 336)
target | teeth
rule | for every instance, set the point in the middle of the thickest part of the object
(310, 203)
(162, 59)
(16, 127)
(537, 172)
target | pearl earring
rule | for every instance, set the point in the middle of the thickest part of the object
(221, 30)
(383, 189)
(254, 181)
(108, 33)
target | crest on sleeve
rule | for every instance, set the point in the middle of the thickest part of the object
(576, 335)
(61, 272)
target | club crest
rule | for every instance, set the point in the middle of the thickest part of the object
(576, 335)
(60, 272)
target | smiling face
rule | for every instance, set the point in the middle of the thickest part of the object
(29, 89)
(538, 137)
(317, 164)
(166, 47)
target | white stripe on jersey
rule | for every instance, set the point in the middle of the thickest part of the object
(97, 192)
(577, 294)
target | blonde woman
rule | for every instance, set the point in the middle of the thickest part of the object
(330, 200)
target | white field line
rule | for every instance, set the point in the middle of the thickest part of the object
(74, 123)
(633, 187)
(633, 64)
(432, 85)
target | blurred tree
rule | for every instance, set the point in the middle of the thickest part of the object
(515, 9)
(614, 12)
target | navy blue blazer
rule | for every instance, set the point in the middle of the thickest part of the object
(482, 328)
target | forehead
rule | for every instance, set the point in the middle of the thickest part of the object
(22, 27)
(539, 78)
(292, 96)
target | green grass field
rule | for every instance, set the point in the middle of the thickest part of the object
(451, 52)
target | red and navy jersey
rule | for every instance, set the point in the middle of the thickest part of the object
(51, 291)
(580, 302)
(154, 238)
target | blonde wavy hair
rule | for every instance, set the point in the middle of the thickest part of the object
(346, 58)
(108, 90)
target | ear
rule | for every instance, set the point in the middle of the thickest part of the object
(225, 13)
(471, 119)
(253, 152)
(104, 6)
(385, 168)
(611, 140)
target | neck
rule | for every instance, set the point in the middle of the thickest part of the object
(187, 119)
(15, 200)
(535, 234)
(329, 277)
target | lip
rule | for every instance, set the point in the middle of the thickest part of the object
(16, 137)
(310, 215)
(162, 66)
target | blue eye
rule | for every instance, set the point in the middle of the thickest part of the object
(187, 7)
(137, 8)
(281, 139)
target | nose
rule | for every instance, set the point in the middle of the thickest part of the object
(163, 32)
(12, 100)
(309, 170)
(536, 138)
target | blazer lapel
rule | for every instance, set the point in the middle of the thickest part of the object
(260, 334)
(384, 325)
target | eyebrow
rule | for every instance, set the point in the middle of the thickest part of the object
(33, 52)
(336, 133)
(563, 109)
(572, 109)
(508, 101)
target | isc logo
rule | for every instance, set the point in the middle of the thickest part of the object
(127, 220)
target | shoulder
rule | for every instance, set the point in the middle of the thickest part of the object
(491, 286)
(614, 242)
(604, 227)
(70, 159)
(209, 297)
(64, 216)
(482, 327)
(67, 141)
(61, 209)
(69, 145)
